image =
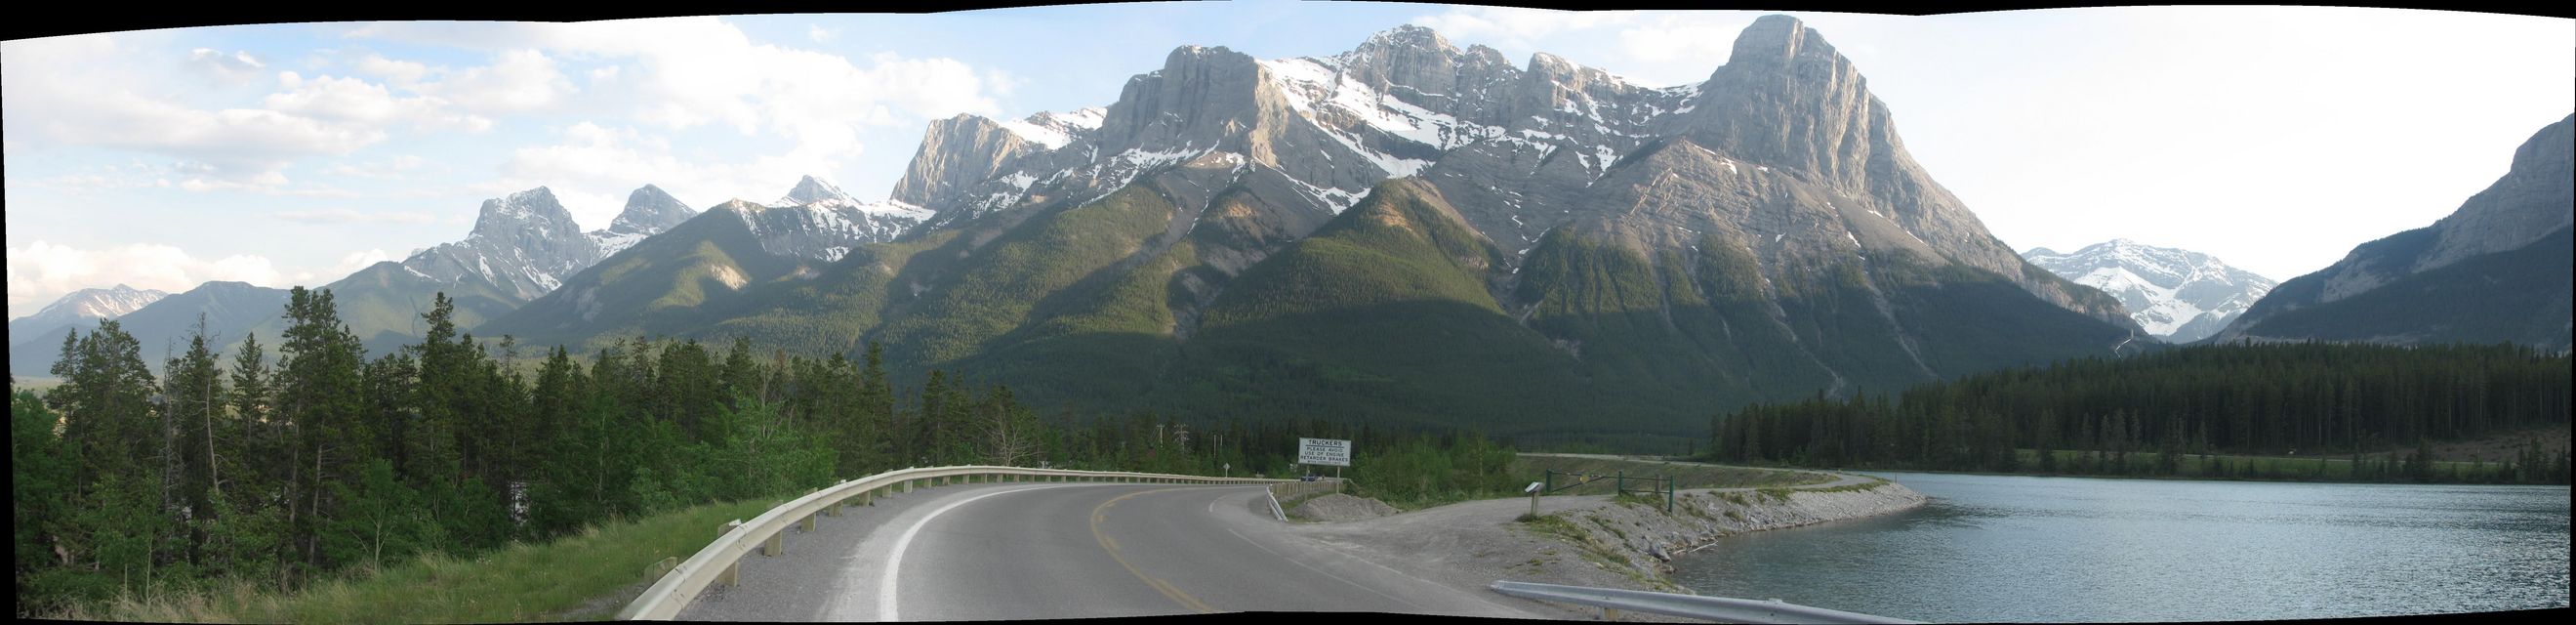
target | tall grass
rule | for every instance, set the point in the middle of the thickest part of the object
(585, 576)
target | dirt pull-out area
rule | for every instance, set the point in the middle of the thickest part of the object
(1594, 540)
(1339, 508)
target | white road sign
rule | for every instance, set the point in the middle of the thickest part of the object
(1324, 451)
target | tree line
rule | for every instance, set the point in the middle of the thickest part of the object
(287, 466)
(2309, 400)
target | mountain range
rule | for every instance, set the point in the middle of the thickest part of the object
(2495, 270)
(1408, 233)
(2177, 295)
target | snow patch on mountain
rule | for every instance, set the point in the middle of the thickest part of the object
(2165, 289)
(91, 304)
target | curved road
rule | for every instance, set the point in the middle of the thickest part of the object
(1030, 551)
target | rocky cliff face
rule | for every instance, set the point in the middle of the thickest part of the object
(1518, 150)
(2177, 295)
(958, 152)
(2532, 200)
(524, 243)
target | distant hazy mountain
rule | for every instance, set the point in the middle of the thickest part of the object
(83, 308)
(2178, 295)
(2496, 270)
(230, 308)
(522, 247)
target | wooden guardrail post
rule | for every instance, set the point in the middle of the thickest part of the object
(775, 545)
(807, 525)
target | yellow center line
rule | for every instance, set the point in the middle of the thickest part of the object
(1169, 591)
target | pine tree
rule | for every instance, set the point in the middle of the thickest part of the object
(193, 393)
(319, 392)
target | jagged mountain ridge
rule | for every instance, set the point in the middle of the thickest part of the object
(1136, 264)
(816, 220)
(1514, 148)
(2178, 295)
(2496, 269)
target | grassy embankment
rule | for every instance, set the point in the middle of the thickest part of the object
(583, 577)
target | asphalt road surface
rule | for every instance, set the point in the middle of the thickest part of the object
(1039, 551)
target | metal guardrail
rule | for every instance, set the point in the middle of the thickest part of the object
(674, 591)
(1720, 609)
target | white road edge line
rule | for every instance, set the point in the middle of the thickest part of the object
(894, 562)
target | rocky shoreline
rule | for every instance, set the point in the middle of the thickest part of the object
(1637, 533)
(1592, 540)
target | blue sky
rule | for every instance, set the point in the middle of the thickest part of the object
(296, 153)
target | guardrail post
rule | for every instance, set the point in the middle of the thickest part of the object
(1609, 614)
(808, 523)
(776, 544)
(732, 575)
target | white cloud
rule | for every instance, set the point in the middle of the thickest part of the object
(1516, 27)
(405, 73)
(520, 80)
(593, 167)
(236, 68)
(334, 216)
(360, 103)
(820, 34)
(395, 167)
(40, 273)
(1702, 40)
(91, 91)
(683, 73)
(355, 261)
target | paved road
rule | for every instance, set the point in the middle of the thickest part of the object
(1027, 551)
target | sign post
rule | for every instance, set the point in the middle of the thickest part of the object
(1327, 451)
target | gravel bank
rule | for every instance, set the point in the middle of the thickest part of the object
(1590, 540)
(1338, 508)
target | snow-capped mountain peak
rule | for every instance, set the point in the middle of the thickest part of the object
(818, 221)
(107, 303)
(1053, 130)
(813, 190)
(2178, 295)
(649, 211)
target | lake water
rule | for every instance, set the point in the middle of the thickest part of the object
(2013, 548)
